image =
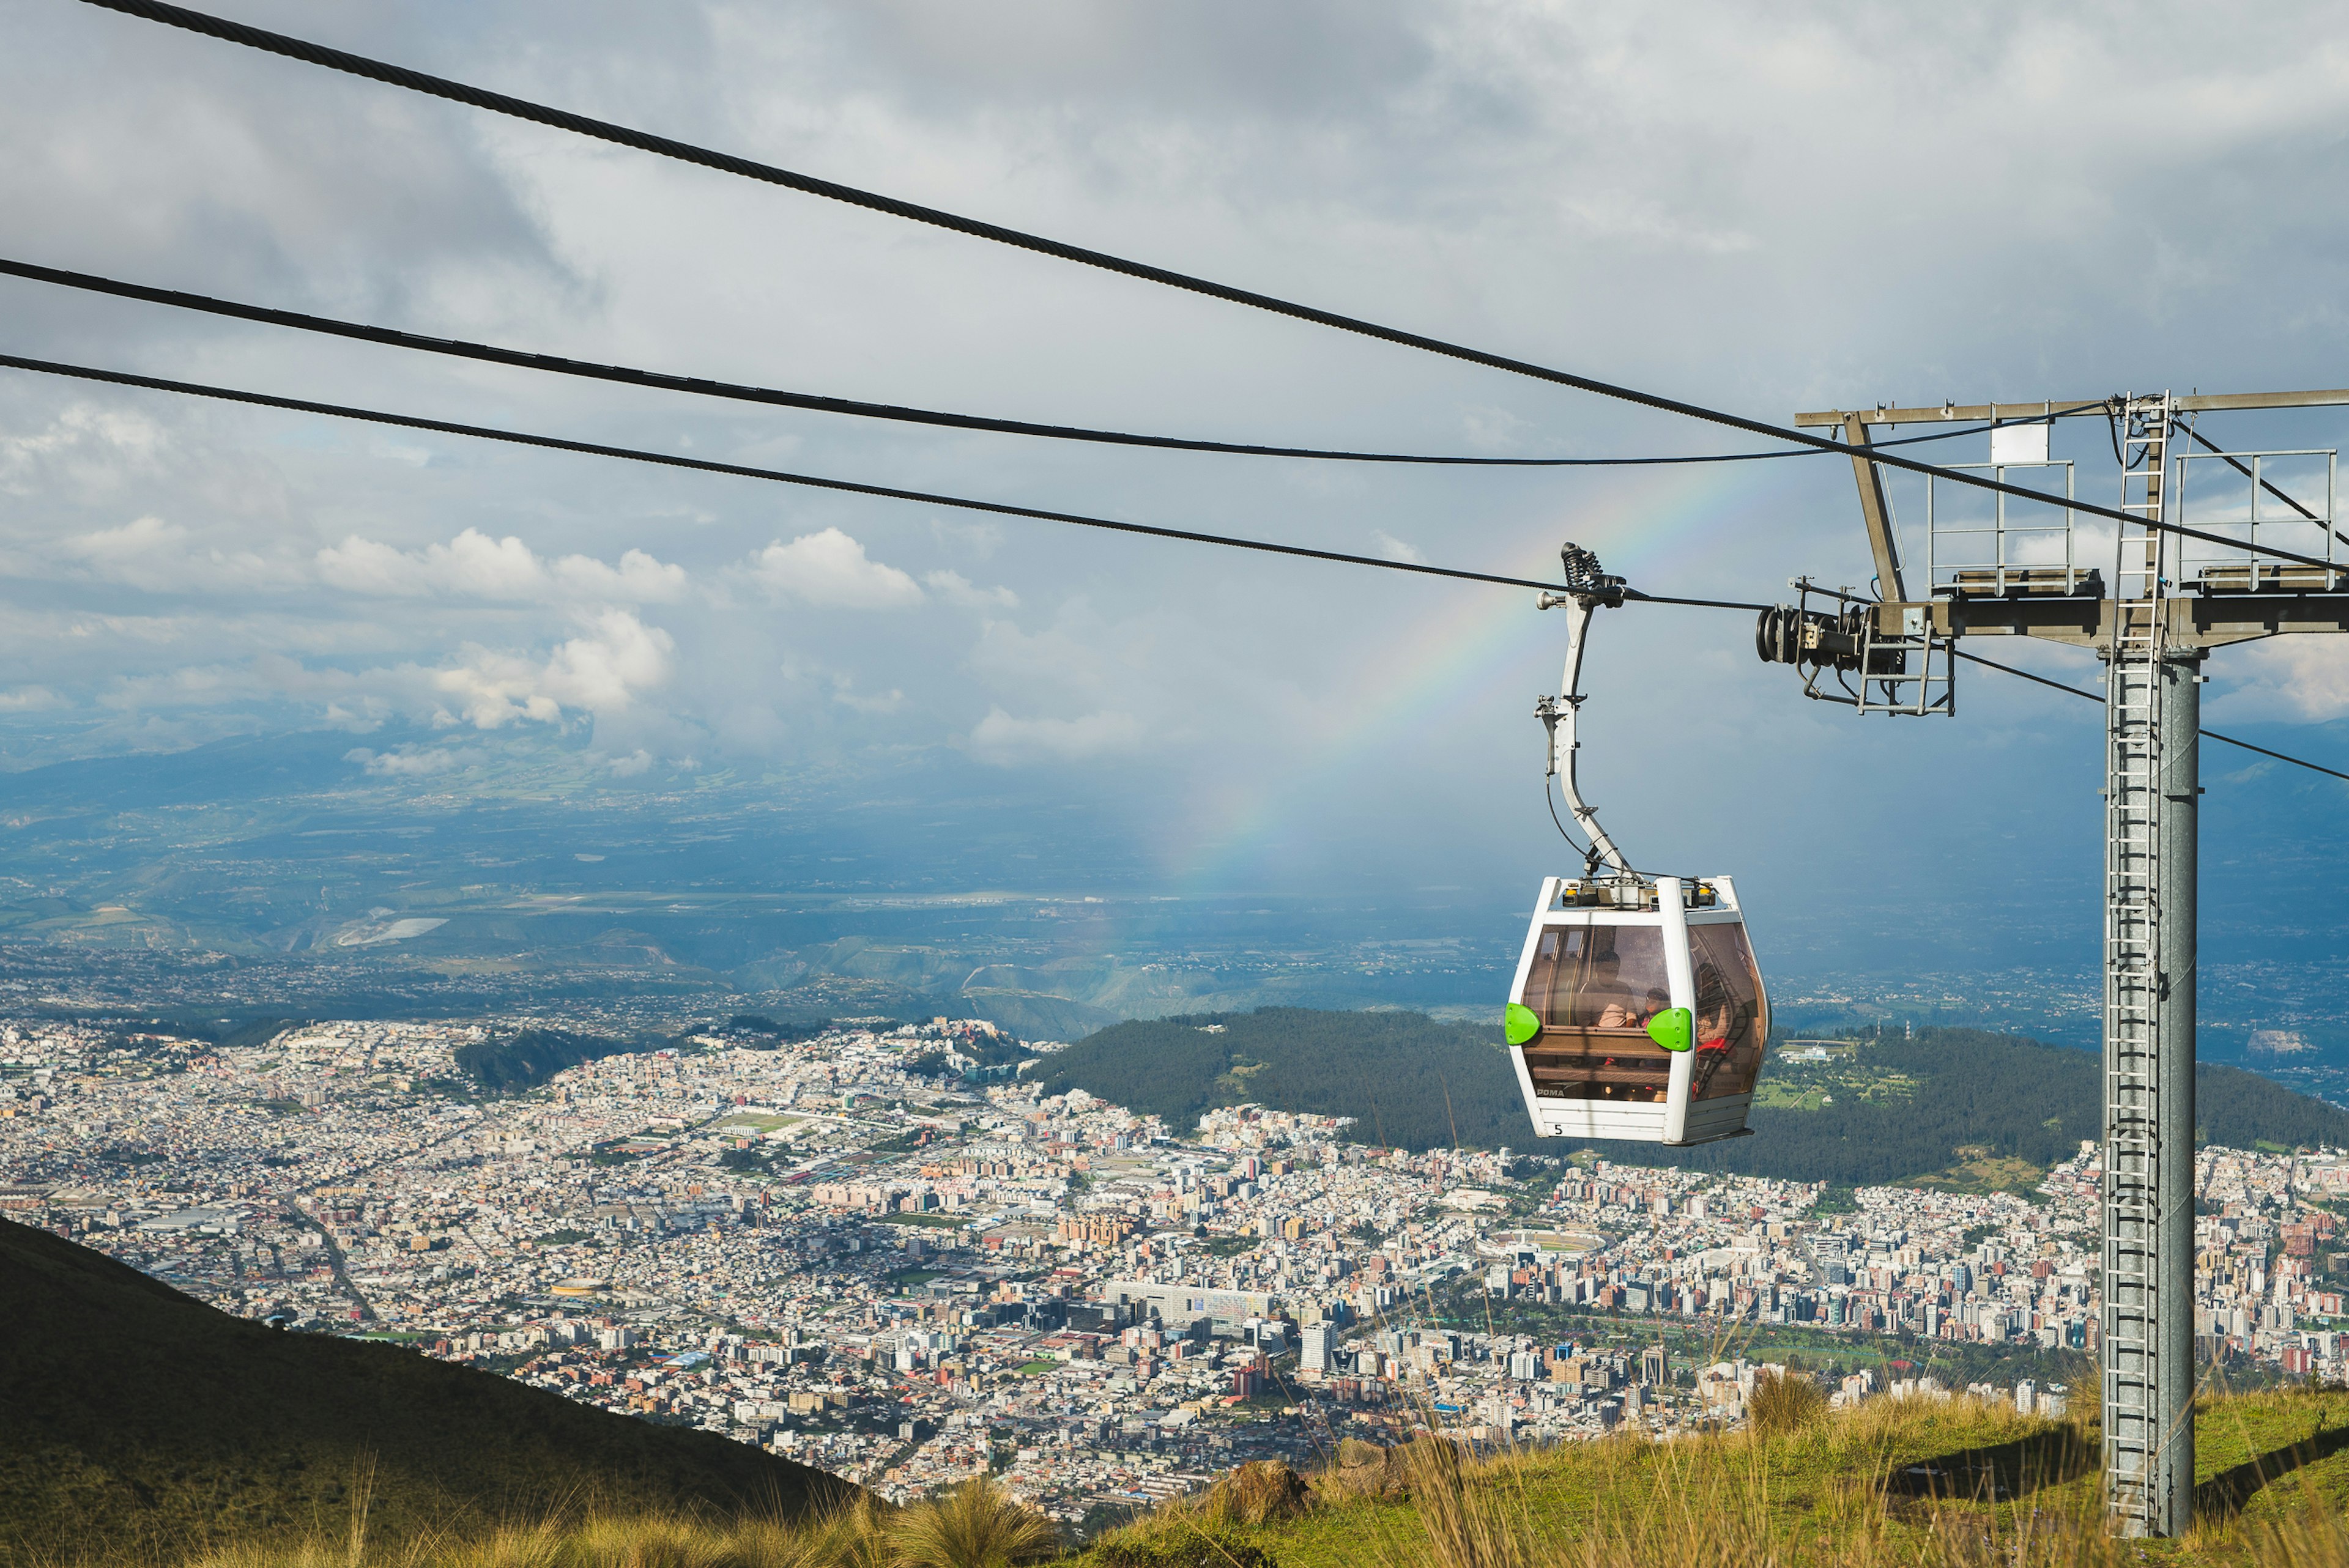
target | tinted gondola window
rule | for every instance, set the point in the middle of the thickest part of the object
(1732, 1022)
(1598, 977)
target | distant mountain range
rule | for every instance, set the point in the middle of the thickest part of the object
(137, 1424)
(416, 873)
(503, 871)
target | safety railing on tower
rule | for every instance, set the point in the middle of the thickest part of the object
(2265, 502)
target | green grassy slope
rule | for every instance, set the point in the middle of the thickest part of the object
(136, 1420)
(1899, 1111)
(1931, 1485)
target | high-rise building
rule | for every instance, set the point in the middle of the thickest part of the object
(1655, 1367)
(1315, 1355)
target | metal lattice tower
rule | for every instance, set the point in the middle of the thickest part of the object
(2139, 1429)
(2153, 625)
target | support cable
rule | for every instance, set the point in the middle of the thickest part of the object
(701, 387)
(302, 49)
(741, 470)
(780, 476)
(2205, 734)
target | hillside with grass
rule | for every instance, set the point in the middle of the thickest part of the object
(1933, 1482)
(137, 1421)
(1914, 1482)
(1958, 1104)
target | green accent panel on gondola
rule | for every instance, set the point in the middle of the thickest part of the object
(1520, 1023)
(1674, 1028)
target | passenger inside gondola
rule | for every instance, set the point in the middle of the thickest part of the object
(1604, 1002)
(1730, 1024)
(1586, 979)
(1716, 1011)
(1594, 990)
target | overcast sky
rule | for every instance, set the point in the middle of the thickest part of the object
(1767, 209)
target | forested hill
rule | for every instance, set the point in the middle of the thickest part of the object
(530, 1057)
(1888, 1112)
(1955, 1097)
(1393, 1072)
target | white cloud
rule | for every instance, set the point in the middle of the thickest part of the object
(1076, 658)
(135, 541)
(487, 568)
(151, 553)
(831, 570)
(1493, 429)
(603, 672)
(638, 579)
(2289, 678)
(843, 692)
(84, 437)
(195, 685)
(955, 589)
(1005, 741)
(475, 566)
(628, 767)
(362, 566)
(1394, 549)
(414, 762)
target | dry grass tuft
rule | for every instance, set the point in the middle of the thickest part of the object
(1781, 1403)
(1184, 1533)
(1265, 1492)
(975, 1525)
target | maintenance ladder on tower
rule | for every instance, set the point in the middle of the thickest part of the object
(2135, 983)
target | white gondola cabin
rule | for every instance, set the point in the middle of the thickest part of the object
(1638, 1012)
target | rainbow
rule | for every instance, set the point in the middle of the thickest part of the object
(1645, 526)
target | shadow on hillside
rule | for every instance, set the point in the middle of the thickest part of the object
(2225, 1494)
(1995, 1474)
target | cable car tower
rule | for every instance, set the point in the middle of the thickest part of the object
(2256, 562)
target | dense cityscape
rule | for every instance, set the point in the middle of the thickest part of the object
(880, 1250)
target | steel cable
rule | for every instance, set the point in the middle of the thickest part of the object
(343, 60)
(703, 386)
(778, 475)
(2091, 697)
(741, 470)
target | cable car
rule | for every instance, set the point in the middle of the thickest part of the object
(1638, 1012)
